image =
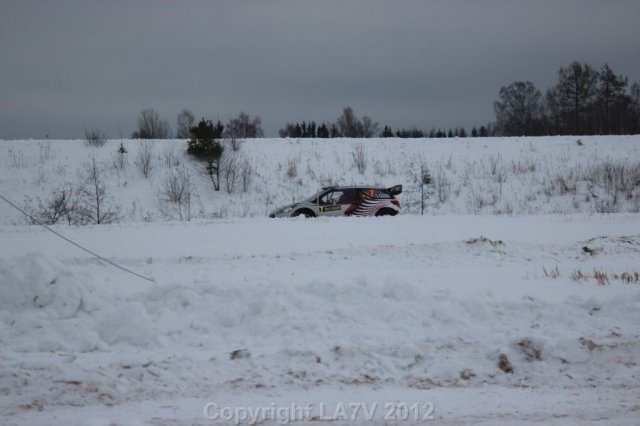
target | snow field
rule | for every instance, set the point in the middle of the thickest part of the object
(504, 176)
(477, 307)
(413, 303)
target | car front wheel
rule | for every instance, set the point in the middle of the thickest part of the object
(303, 212)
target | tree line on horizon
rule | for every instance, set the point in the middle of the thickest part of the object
(584, 101)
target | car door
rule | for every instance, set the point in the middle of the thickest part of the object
(331, 203)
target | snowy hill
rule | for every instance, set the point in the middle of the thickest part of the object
(513, 301)
(469, 176)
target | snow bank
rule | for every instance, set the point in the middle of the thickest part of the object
(38, 282)
(248, 305)
(45, 306)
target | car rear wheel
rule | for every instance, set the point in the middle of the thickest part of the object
(386, 212)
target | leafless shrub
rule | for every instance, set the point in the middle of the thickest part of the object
(234, 143)
(566, 184)
(378, 169)
(93, 206)
(177, 189)
(94, 137)
(579, 276)
(292, 168)
(504, 364)
(601, 277)
(532, 350)
(608, 206)
(230, 171)
(618, 179)
(384, 169)
(359, 158)
(552, 273)
(494, 163)
(497, 169)
(421, 176)
(17, 159)
(528, 165)
(55, 209)
(628, 277)
(484, 240)
(442, 186)
(170, 156)
(467, 374)
(44, 150)
(246, 174)
(144, 158)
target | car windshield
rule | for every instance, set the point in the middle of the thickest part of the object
(315, 196)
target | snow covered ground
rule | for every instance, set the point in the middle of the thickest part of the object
(469, 176)
(464, 315)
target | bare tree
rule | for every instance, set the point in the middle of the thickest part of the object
(348, 124)
(150, 126)
(243, 126)
(611, 99)
(93, 206)
(184, 124)
(369, 127)
(519, 110)
(577, 89)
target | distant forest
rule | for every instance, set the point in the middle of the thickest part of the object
(585, 101)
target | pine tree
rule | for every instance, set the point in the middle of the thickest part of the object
(205, 146)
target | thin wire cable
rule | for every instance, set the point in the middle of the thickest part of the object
(74, 243)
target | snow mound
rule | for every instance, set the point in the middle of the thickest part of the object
(610, 245)
(127, 323)
(37, 282)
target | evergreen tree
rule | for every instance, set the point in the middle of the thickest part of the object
(387, 132)
(205, 146)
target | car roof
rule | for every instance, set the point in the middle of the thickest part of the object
(353, 187)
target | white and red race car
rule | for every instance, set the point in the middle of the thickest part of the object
(345, 201)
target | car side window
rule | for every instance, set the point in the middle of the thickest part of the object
(348, 196)
(382, 194)
(331, 197)
(336, 196)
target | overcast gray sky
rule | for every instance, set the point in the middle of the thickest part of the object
(66, 65)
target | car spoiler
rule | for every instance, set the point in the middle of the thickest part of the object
(395, 190)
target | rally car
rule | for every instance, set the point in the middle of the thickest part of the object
(345, 201)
